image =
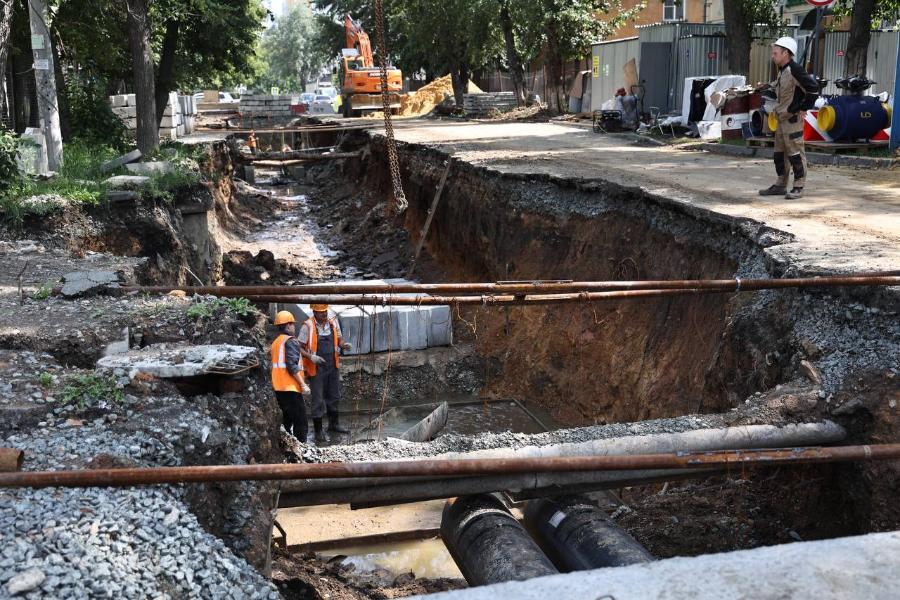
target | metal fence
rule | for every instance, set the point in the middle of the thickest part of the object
(881, 63)
(608, 60)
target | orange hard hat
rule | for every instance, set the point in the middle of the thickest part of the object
(319, 307)
(284, 317)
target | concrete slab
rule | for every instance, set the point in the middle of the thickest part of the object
(79, 283)
(150, 168)
(383, 328)
(111, 165)
(854, 567)
(120, 182)
(847, 221)
(173, 361)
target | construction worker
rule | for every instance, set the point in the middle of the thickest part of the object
(320, 344)
(796, 91)
(287, 376)
(251, 142)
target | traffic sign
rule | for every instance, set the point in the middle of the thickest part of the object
(820, 3)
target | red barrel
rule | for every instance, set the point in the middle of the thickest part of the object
(735, 112)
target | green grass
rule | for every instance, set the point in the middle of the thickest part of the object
(205, 309)
(43, 292)
(45, 379)
(81, 182)
(89, 390)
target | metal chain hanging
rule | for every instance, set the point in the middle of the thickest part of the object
(400, 202)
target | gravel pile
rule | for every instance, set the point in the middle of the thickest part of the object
(121, 543)
(127, 543)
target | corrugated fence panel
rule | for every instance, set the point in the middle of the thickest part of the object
(607, 64)
(881, 60)
(697, 56)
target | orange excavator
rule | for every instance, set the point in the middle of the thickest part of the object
(361, 89)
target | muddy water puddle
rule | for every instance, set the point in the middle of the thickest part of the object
(424, 558)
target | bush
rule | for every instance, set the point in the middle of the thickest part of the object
(92, 390)
(10, 178)
(92, 118)
(205, 309)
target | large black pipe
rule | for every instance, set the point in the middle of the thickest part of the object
(578, 536)
(488, 544)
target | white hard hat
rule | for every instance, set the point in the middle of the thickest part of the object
(787, 43)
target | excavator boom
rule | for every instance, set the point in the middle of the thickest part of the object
(358, 39)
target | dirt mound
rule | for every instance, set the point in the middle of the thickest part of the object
(425, 99)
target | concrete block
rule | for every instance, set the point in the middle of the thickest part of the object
(171, 361)
(120, 182)
(168, 122)
(118, 100)
(150, 168)
(133, 156)
(130, 100)
(124, 112)
(168, 133)
(180, 130)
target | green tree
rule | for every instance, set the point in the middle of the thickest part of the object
(447, 36)
(292, 50)
(864, 15)
(564, 30)
(740, 18)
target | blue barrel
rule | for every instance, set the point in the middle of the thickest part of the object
(849, 118)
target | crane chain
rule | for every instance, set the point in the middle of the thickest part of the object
(400, 202)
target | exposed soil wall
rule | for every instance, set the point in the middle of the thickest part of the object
(636, 360)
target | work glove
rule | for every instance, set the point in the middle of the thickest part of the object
(318, 359)
(305, 389)
(346, 345)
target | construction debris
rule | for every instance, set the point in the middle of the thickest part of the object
(175, 361)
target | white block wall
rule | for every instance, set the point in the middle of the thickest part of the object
(178, 117)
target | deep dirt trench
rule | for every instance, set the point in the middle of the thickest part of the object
(630, 361)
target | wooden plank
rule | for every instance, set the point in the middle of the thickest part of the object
(434, 203)
(366, 540)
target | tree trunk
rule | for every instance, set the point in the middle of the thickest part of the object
(512, 55)
(21, 104)
(165, 78)
(6, 17)
(142, 65)
(738, 34)
(860, 33)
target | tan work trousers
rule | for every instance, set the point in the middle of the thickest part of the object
(789, 151)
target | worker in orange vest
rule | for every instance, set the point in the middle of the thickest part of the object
(251, 142)
(287, 376)
(320, 344)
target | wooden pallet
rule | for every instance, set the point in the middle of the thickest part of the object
(760, 142)
(846, 147)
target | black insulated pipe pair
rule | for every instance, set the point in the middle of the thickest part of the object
(490, 546)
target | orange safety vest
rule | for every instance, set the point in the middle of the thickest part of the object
(282, 380)
(312, 344)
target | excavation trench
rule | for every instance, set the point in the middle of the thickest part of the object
(766, 357)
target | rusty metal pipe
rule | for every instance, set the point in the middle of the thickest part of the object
(531, 287)
(484, 300)
(11, 459)
(444, 467)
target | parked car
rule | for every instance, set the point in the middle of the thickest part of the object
(326, 89)
(322, 105)
(224, 98)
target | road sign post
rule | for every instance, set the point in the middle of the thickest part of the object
(895, 121)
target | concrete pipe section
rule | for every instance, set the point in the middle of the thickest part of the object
(579, 536)
(488, 544)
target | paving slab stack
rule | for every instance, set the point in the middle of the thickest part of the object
(178, 118)
(382, 328)
(262, 105)
(481, 105)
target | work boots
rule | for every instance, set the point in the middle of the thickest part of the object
(796, 192)
(335, 425)
(321, 436)
(774, 190)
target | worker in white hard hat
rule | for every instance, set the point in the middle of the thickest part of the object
(321, 342)
(287, 376)
(796, 92)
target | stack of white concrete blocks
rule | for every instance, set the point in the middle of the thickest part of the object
(382, 328)
(276, 107)
(178, 119)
